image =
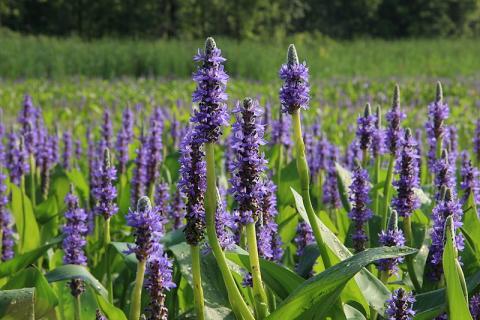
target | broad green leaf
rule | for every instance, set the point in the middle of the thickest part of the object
(71, 271)
(45, 297)
(77, 178)
(352, 314)
(307, 260)
(324, 288)
(344, 180)
(457, 300)
(25, 220)
(108, 309)
(121, 248)
(372, 289)
(173, 237)
(17, 304)
(22, 260)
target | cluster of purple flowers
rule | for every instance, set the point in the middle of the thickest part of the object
(280, 133)
(400, 305)
(105, 191)
(16, 158)
(139, 176)
(378, 146)
(331, 197)
(391, 237)
(7, 242)
(394, 118)
(470, 183)
(366, 128)
(438, 112)
(304, 237)
(444, 175)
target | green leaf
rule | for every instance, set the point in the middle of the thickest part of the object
(76, 177)
(457, 299)
(72, 271)
(307, 260)
(325, 287)
(344, 181)
(17, 304)
(372, 289)
(108, 309)
(25, 220)
(45, 297)
(121, 248)
(21, 261)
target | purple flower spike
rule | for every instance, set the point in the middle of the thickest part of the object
(444, 175)
(147, 227)
(210, 94)
(353, 154)
(158, 281)
(27, 121)
(67, 150)
(304, 237)
(446, 206)
(476, 141)
(438, 112)
(139, 176)
(7, 241)
(248, 163)
(366, 128)
(295, 91)
(378, 146)
(155, 149)
(281, 133)
(224, 222)
(193, 183)
(107, 130)
(360, 213)
(75, 231)
(470, 179)
(127, 124)
(177, 210)
(78, 149)
(121, 147)
(105, 192)
(400, 305)
(407, 168)
(392, 237)
(16, 158)
(475, 307)
(394, 118)
(331, 197)
(161, 198)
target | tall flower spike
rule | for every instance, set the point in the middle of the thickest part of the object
(155, 149)
(249, 164)
(406, 167)
(366, 128)
(360, 212)
(7, 241)
(391, 237)
(210, 94)
(107, 130)
(161, 198)
(17, 159)
(394, 118)
(294, 93)
(223, 222)
(446, 206)
(177, 210)
(475, 307)
(378, 140)
(105, 191)
(193, 184)
(438, 112)
(470, 182)
(331, 197)
(444, 175)
(139, 176)
(67, 150)
(303, 238)
(281, 132)
(147, 229)
(75, 231)
(476, 141)
(400, 305)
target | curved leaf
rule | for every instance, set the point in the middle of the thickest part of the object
(17, 304)
(25, 220)
(108, 309)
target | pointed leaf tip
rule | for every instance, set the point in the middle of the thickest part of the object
(292, 57)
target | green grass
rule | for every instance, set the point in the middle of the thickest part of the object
(28, 56)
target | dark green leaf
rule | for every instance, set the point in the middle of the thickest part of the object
(17, 304)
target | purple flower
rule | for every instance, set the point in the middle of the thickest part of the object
(475, 307)
(378, 146)
(476, 140)
(418, 139)
(304, 237)
(161, 198)
(45, 162)
(438, 112)
(394, 118)
(210, 94)
(105, 191)
(155, 149)
(247, 281)
(122, 148)
(7, 241)
(392, 237)
(360, 212)
(127, 124)
(139, 175)
(67, 150)
(107, 130)
(322, 151)
(366, 128)
(331, 197)
(16, 158)
(470, 182)
(450, 143)
(99, 315)
(75, 231)
(248, 162)
(177, 210)
(295, 91)
(400, 305)
(78, 149)
(407, 168)
(281, 132)
(444, 175)
(223, 222)
(158, 281)
(27, 120)
(446, 206)
(353, 154)
(193, 183)
(148, 230)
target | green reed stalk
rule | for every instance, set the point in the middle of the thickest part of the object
(136, 301)
(197, 282)
(387, 189)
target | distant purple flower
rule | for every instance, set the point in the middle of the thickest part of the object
(248, 163)
(7, 241)
(75, 231)
(418, 139)
(449, 206)
(444, 175)
(476, 140)
(223, 222)
(331, 197)
(127, 124)
(475, 307)
(45, 162)
(322, 152)
(55, 148)
(366, 128)
(295, 91)
(360, 212)
(107, 130)
(470, 182)
(99, 315)
(394, 134)
(78, 149)
(378, 146)
(122, 148)
(438, 112)
(139, 175)
(400, 305)
(303, 238)
(27, 121)
(406, 201)
(16, 158)
(247, 281)
(161, 198)
(67, 150)
(148, 230)
(155, 150)
(450, 143)
(392, 237)
(281, 133)
(105, 192)
(193, 183)
(158, 280)
(210, 94)
(177, 210)
(353, 154)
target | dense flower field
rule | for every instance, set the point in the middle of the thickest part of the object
(340, 199)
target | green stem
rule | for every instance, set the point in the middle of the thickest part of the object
(136, 300)
(376, 177)
(364, 158)
(24, 215)
(279, 164)
(304, 175)
(387, 191)
(78, 311)
(106, 242)
(384, 277)
(33, 196)
(260, 296)
(407, 226)
(239, 306)
(197, 282)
